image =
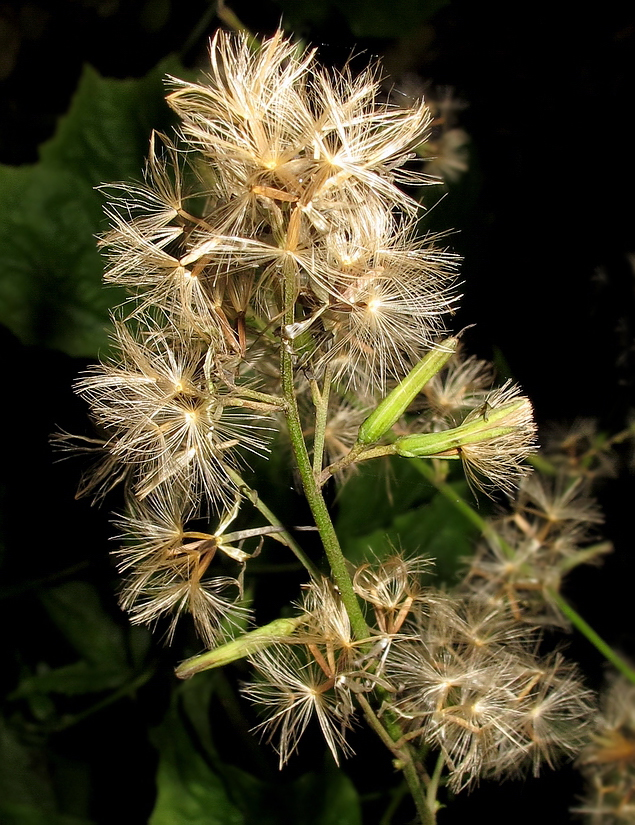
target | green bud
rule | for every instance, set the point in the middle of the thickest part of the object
(493, 424)
(243, 646)
(396, 402)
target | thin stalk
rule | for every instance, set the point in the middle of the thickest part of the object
(251, 404)
(125, 690)
(321, 401)
(357, 453)
(404, 756)
(433, 786)
(596, 640)
(397, 797)
(283, 536)
(265, 397)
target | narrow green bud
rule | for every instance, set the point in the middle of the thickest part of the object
(494, 423)
(245, 645)
(446, 443)
(396, 402)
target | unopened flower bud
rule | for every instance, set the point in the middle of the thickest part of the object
(396, 402)
(492, 441)
(244, 645)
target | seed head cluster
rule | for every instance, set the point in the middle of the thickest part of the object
(273, 230)
(461, 675)
(525, 555)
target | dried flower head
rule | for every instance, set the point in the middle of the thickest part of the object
(608, 761)
(496, 462)
(469, 684)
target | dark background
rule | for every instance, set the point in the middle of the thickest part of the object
(545, 222)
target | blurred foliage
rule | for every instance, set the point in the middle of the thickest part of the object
(51, 292)
(372, 18)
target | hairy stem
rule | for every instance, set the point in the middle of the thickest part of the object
(311, 487)
(321, 401)
(356, 454)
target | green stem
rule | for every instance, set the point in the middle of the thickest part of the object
(389, 735)
(311, 487)
(125, 690)
(426, 814)
(357, 453)
(574, 617)
(397, 796)
(596, 640)
(433, 787)
(283, 536)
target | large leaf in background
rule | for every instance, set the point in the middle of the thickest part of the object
(104, 136)
(435, 530)
(189, 789)
(327, 798)
(376, 494)
(51, 293)
(76, 609)
(195, 785)
(104, 646)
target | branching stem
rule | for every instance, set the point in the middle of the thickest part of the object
(321, 402)
(404, 758)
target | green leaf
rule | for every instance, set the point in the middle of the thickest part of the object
(435, 530)
(51, 294)
(376, 18)
(104, 136)
(17, 814)
(27, 796)
(76, 609)
(327, 798)
(189, 791)
(372, 498)
(372, 18)
(74, 679)
(21, 783)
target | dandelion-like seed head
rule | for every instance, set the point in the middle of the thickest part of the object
(292, 690)
(496, 462)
